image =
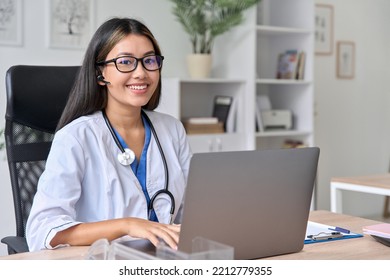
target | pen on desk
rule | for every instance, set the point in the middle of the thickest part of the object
(343, 230)
(325, 236)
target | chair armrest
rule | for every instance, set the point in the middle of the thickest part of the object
(15, 244)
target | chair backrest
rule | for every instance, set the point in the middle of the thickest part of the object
(36, 97)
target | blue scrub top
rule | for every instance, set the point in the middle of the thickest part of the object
(139, 167)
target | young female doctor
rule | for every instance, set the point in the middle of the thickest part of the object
(116, 168)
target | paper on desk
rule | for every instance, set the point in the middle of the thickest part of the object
(381, 230)
(316, 228)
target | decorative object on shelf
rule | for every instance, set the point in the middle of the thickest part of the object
(11, 22)
(345, 60)
(71, 23)
(199, 65)
(204, 20)
(323, 29)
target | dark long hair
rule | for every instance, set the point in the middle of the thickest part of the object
(87, 96)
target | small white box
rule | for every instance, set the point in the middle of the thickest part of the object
(273, 119)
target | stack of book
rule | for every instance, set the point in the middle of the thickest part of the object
(222, 119)
(203, 125)
(293, 144)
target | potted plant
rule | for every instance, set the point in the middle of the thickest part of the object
(203, 21)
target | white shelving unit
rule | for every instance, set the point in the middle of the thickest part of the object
(185, 98)
(285, 25)
(244, 66)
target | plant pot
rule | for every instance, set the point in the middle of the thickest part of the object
(199, 65)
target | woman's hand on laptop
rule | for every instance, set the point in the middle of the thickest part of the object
(154, 231)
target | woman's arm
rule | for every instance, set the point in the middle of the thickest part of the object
(87, 233)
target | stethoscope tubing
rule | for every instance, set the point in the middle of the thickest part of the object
(162, 191)
(164, 160)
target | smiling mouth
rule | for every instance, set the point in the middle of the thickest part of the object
(138, 87)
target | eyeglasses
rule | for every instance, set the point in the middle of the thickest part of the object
(128, 63)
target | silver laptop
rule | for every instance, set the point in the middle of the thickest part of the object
(256, 201)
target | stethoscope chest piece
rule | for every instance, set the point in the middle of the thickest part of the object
(127, 157)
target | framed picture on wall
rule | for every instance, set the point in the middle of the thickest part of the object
(345, 60)
(70, 23)
(323, 29)
(11, 22)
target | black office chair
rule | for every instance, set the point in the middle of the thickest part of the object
(36, 97)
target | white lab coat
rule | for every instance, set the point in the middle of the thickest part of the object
(84, 182)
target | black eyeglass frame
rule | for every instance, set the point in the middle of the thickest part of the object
(101, 63)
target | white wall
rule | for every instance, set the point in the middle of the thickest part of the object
(352, 122)
(157, 16)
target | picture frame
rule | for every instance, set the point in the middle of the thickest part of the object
(345, 60)
(66, 31)
(323, 35)
(11, 22)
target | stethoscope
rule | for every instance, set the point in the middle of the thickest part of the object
(127, 156)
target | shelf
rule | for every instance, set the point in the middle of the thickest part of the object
(269, 30)
(283, 133)
(224, 134)
(282, 82)
(212, 81)
(283, 25)
(276, 30)
(216, 142)
(188, 98)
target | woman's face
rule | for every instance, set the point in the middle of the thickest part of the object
(133, 89)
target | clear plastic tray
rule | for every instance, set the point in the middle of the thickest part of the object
(202, 249)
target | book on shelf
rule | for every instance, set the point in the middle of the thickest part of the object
(290, 143)
(259, 121)
(231, 122)
(291, 65)
(287, 65)
(300, 73)
(201, 120)
(262, 103)
(221, 108)
(207, 128)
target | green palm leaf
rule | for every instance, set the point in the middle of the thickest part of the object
(204, 20)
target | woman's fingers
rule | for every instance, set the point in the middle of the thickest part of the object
(154, 232)
(168, 234)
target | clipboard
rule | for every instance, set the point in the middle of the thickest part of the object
(325, 233)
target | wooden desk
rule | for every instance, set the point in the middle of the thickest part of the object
(373, 184)
(351, 249)
(362, 248)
